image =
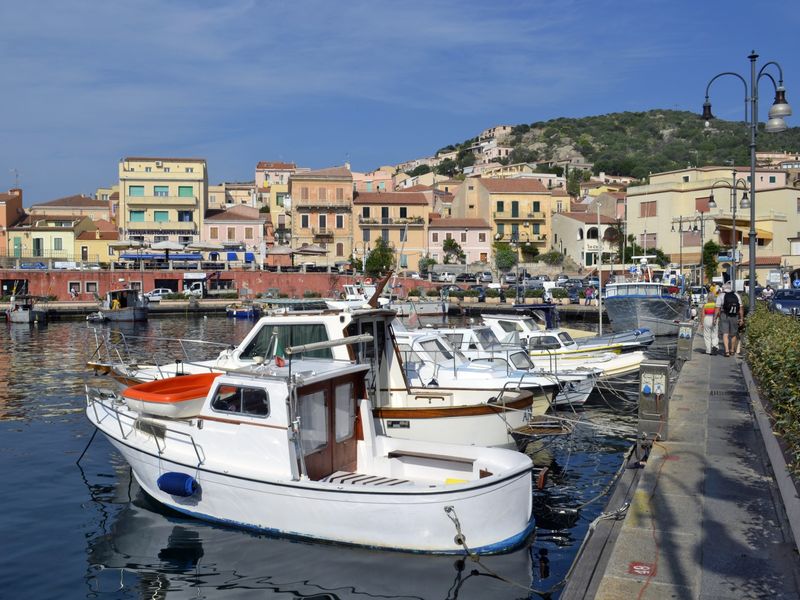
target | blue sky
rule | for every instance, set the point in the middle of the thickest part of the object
(321, 82)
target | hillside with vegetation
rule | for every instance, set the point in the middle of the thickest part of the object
(633, 143)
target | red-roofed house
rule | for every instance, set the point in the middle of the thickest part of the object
(473, 235)
(77, 205)
(11, 213)
(397, 217)
(577, 235)
(240, 229)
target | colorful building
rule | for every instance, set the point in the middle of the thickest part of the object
(579, 236)
(74, 206)
(11, 213)
(474, 236)
(93, 246)
(239, 230)
(48, 237)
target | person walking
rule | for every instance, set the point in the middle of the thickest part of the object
(729, 313)
(710, 326)
(588, 294)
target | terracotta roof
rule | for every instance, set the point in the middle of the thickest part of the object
(764, 261)
(458, 224)
(393, 198)
(162, 159)
(104, 225)
(275, 166)
(416, 188)
(235, 213)
(30, 221)
(76, 201)
(559, 192)
(104, 235)
(513, 186)
(588, 217)
(331, 172)
(114, 196)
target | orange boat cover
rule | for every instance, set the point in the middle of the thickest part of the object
(172, 389)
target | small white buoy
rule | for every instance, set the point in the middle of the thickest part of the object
(205, 316)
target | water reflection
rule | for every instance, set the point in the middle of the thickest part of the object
(149, 552)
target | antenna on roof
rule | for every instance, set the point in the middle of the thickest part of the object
(15, 171)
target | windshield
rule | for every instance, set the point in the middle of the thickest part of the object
(787, 295)
(486, 337)
(442, 351)
(521, 360)
(530, 324)
(566, 338)
(264, 342)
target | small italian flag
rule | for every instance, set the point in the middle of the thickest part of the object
(280, 361)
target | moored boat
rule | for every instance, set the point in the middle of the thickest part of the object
(24, 308)
(126, 304)
(292, 451)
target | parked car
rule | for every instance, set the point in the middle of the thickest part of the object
(447, 289)
(573, 293)
(562, 279)
(485, 277)
(157, 294)
(410, 274)
(465, 277)
(697, 294)
(446, 276)
(786, 302)
(541, 277)
(591, 281)
(576, 283)
(34, 265)
(510, 278)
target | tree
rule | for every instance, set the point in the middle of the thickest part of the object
(425, 263)
(447, 167)
(710, 254)
(453, 252)
(553, 257)
(381, 259)
(529, 251)
(419, 170)
(505, 256)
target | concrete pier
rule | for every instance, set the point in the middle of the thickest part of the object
(706, 518)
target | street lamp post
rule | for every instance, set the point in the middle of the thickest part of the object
(734, 230)
(780, 109)
(599, 274)
(680, 241)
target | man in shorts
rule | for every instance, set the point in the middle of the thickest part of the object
(730, 316)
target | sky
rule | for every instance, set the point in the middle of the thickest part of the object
(322, 82)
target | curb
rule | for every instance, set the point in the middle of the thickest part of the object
(786, 488)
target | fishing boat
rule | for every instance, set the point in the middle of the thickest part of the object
(24, 308)
(431, 360)
(401, 408)
(243, 310)
(646, 302)
(290, 448)
(359, 295)
(127, 304)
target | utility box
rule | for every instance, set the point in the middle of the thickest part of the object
(685, 340)
(653, 400)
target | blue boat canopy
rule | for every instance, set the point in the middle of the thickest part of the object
(248, 257)
(172, 256)
(233, 256)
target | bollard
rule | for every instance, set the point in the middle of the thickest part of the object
(685, 340)
(653, 401)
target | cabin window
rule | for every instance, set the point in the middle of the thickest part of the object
(565, 337)
(252, 402)
(273, 339)
(345, 412)
(510, 326)
(520, 360)
(546, 342)
(455, 339)
(314, 421)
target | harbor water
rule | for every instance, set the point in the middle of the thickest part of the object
(85, 531)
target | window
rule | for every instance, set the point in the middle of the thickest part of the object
(166, 169)
(136, 216)
(340, 193)
(384, 214)
(515, 231)
(403, 234)
(304, 193)
(185, 239)
(185, 191)
(483, 257)
(148, 169)
(161, 216)
(647, 209)
(185, 216)
(339, 221)
(385, 235)
(58, 244)
(248, 233)
(365, 235)
(365, 212)
(448, 236)
(323, 221)
(685, 179)
(91, 287)
(314, 417)
(501, 229)
(339, 249)
(160, 238)
(500, 206)
(798, 205)
(74, 287)
(482, 238)
(435, 238)
(404, 261)
(231, 234)
(189, 169)
(252, 402)
(304, 221)
(135, 190)
(103, 196)
(701, 205)
(403, 212)
(214, 233)
(463, 236)
(772, 178)
(280, 198)
(647, 240)
(514, 208)
(161, 190)
(537, 206)
(345, 417)
(322, 194)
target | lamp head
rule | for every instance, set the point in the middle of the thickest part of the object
(745, 203)
(775, 125)
(707, 114)
(780, 108)
(711, 202)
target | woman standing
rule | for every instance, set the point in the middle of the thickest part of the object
(710, 326)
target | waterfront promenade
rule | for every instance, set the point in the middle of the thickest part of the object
(706, 518)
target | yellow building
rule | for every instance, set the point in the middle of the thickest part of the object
(322, 206)
(48, 237)
(74, 207)
(518, 209)
(272, 184)
(93, 246)
(399, 218)
(162, 198)
(111, 195)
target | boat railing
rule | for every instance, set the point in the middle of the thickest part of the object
(95, 396)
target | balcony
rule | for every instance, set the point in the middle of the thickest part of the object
(390, 222)
(161, 200)
(322, 232)
(509, 216)
(162, 226)
(537, 215)
(344, 203)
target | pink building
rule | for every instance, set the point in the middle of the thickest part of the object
(379, 180)
(239, 230)
(273, 173)
(473, 235)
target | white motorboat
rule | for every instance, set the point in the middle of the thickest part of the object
(24, 308)
(403, 409)
(283, 449)
(358, 295)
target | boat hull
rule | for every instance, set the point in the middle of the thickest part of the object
(26, 316)
(132, 313)
(660, 314)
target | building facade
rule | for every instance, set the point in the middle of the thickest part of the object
(48, 237)
(578, 236)
(239, 229)
(162, 199)
(11, 213)
(473, 235)
(74, 206)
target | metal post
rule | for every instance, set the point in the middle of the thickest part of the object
(599, 274)
(735, 232)
(753, 127)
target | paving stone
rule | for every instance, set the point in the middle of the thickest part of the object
(615, 588)
(665, 512)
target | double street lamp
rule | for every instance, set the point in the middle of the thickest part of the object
(734, 229)
(695, 224)
(780, 109)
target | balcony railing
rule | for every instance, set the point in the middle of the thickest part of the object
(161, 200)
(314, 203)
(159, 226)
(390, 222)
(537, 215)
(322, 231)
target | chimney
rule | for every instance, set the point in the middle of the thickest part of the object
(15, 192)
(97, 234)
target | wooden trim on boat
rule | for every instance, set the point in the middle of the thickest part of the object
(455, 411)
(238, 422)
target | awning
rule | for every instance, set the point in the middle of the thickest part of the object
(172, 256)
(248, 257)
(744, 230)
(233, 256)
(213, 255)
